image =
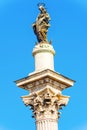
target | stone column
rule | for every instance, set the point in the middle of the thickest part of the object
(45, 105)
(45, 85)
(47, 124)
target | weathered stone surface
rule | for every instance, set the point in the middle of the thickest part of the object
(45, 103)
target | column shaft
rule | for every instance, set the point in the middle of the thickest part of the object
(47, 124)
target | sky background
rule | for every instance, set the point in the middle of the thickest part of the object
(68, 33)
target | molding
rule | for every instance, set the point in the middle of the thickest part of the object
(41, 77)
(43, 48)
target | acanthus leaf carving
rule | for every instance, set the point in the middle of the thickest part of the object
(45, 104)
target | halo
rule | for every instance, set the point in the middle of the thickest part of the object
(41, 4)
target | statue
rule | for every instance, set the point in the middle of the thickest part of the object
(41, 25)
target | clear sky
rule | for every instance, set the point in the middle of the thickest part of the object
(68, 33)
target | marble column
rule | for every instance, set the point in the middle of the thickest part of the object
(47, 124)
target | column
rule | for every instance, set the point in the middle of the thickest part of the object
(47, 124)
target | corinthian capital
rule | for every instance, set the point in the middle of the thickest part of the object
(45, 104)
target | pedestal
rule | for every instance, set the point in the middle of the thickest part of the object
(44, 57)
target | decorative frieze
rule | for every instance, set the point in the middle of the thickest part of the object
(56, 80)
(42, 83)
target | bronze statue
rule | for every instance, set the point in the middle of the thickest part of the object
(41, 25)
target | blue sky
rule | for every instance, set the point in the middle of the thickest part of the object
(68, 33)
